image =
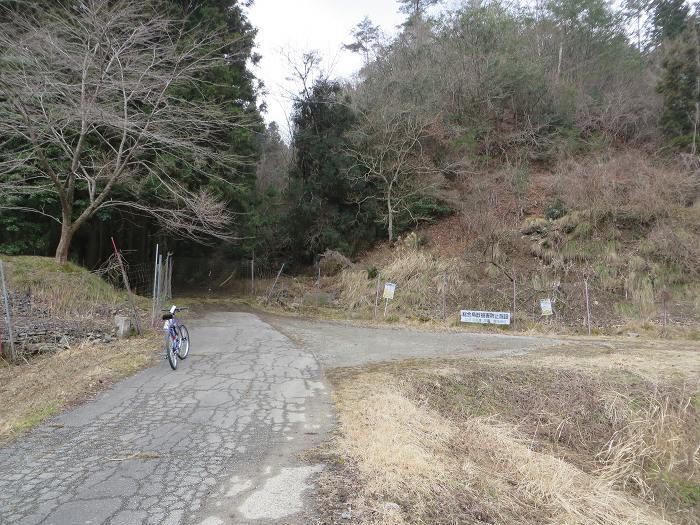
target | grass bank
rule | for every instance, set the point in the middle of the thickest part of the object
(67, 302)
(518, 440)
(47, 385)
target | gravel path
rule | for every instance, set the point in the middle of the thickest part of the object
(341, 345)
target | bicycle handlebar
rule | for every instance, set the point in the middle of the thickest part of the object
(177, 309)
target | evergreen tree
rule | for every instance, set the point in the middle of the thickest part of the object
(322, 213)
(668, 20)
(680, 88)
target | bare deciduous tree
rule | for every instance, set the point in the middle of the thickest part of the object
(388, 151)
(91, 100)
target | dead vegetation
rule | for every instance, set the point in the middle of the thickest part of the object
(44, 386)
(513, 441)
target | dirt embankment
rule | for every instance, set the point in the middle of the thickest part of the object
(64, 333)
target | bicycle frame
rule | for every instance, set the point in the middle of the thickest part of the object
(171, 327)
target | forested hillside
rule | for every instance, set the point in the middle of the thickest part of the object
(561, 134)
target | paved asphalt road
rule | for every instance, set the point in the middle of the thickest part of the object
(216, 442)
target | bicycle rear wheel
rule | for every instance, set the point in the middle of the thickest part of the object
(170, 351)
(184, 349)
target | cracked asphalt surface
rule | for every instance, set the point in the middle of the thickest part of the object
(185, 447)
(217, 441)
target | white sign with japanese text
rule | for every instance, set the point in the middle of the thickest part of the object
(475, 316)
(389, 289)
(546, 307)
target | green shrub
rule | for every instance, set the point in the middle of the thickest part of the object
(555, 210)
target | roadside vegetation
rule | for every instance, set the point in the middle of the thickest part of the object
(46, 385)
(61, 290)
(518, 440)
(63, 326)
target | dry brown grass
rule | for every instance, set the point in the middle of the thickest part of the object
(420, 276)
(652, 441)
(512, 442)
(33, 391)
(67, 291)
(655, 361)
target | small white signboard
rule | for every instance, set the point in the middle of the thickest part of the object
(474, 316)
(546, 306)
(389, 289)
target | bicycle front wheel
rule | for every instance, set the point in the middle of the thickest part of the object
(184, 342)
(170, 351)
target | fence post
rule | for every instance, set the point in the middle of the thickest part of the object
(272, 288)
(154, 313)
(514, 298)
(588, 306)
(376, 296)
(159, 284)
(252, 275)
(8, 317)
(134, 311)
(444, 296)
(318, 285)
(665, 296)
(170, 276)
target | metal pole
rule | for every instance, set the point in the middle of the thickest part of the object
(376, 296)
(159, 288)
(8, 318)
(514, 296)
(444, 296)
(170, 276)
(386, 306)
(588, 306)
(252, 275)
(318, 285)
(154, 313)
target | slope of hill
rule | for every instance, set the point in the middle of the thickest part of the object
(623, 228)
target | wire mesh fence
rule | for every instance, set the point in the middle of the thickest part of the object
(576, 305)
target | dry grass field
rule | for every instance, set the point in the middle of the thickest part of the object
(586, 433)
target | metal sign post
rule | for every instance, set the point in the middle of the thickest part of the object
(588, 306)
(376, 294)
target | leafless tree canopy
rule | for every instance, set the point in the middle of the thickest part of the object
(388, 148)
(89, 101)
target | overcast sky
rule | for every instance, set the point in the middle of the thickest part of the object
(304, 25)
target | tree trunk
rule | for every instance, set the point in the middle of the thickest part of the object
(391, 222)
(64, 244)
(561, 51)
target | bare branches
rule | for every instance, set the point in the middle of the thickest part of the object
(388, 150)
(91, 94)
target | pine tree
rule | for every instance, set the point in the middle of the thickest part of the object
(680, 88)
(668, 20)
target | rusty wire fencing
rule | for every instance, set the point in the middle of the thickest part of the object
(577, 305)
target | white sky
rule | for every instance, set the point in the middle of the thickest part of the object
(304, 25)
